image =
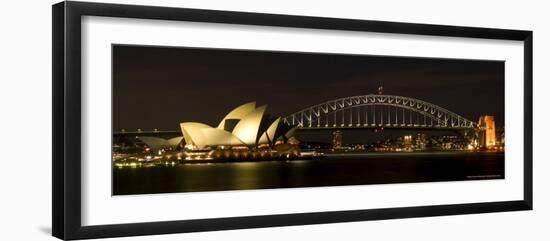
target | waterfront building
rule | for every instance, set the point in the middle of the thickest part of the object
(407, 142)
(244, 127)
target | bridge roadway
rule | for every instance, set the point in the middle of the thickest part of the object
(384, 126)
(173, 133)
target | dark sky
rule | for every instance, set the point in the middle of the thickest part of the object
(159, 87)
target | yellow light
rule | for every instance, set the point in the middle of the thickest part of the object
(488, 122)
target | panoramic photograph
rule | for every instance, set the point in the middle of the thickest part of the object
(205, 119)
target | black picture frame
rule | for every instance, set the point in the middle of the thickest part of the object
(66, 159)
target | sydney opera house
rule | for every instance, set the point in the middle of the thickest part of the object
(245, 132)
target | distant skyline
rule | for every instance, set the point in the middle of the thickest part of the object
(159, 87)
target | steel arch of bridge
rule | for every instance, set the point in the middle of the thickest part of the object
(427, 115)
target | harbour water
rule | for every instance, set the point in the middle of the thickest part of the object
(331, 170)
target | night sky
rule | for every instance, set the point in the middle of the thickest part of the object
(159, 87)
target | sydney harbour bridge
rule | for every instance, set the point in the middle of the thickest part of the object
(377, 111)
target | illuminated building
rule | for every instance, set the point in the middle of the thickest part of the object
(488, 132)
(244, 127)
(336, 139)
(407, 141)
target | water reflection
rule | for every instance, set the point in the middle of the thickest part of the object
(331, 171)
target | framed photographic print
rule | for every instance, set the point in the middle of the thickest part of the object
(171, 120)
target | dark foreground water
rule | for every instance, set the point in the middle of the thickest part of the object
(334, 170)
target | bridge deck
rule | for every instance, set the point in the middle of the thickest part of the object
(330, 127)
(385, 126)
(149, 133)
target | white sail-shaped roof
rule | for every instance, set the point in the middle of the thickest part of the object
(247, 128)
(238, 113)
(217, 137)
(154, 143)
(202, 135)
(290, 133)
(269, 135)
(245, 132)
(157, 143)
(193, 135)
(173, 142)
